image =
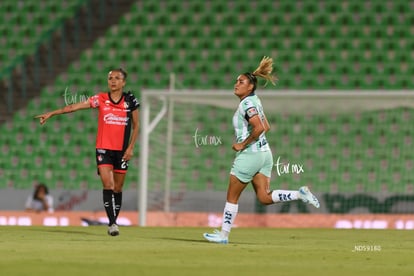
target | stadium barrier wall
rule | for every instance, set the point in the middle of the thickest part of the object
(213, 201)
(197, 219)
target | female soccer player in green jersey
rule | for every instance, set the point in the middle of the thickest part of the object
(254, 160)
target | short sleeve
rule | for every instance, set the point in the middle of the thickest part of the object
(249, 109)
(94, 101)
(133, 102)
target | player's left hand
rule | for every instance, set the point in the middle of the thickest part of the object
(127, 154)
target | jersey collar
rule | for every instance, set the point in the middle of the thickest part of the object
(112, 101)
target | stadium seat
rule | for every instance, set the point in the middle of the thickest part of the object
(205, 44)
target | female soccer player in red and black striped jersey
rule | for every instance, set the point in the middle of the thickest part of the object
(115, 140)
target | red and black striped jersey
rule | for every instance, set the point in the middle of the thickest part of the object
(114, 120)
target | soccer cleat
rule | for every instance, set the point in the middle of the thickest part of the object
(216, 237)
(307, 197)
(113, 230)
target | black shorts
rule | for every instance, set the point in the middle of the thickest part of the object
(112, 158)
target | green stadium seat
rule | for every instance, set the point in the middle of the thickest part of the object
(205, 43)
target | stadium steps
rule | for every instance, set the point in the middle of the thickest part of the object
(329, 48)
(43, 73)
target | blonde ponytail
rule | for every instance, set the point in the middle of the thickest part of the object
(265, 70)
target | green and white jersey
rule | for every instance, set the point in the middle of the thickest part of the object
(249, 107)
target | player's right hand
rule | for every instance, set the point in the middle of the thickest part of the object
(43, 117)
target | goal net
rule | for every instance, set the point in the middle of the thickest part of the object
(352, 148)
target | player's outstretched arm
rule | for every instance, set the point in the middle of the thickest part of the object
(67, 109)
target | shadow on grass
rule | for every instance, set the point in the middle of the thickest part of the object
(182, 239)
(202, 240)
(64, 230)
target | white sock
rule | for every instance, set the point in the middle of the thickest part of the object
(229, 215)
(284, 195)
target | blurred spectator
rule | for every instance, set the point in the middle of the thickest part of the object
(40, 200)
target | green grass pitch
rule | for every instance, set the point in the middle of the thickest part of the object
(90, 251)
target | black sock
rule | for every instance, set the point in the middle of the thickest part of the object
(109, 205)
(118, 203)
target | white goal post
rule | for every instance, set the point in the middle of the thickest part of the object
(279, 102)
